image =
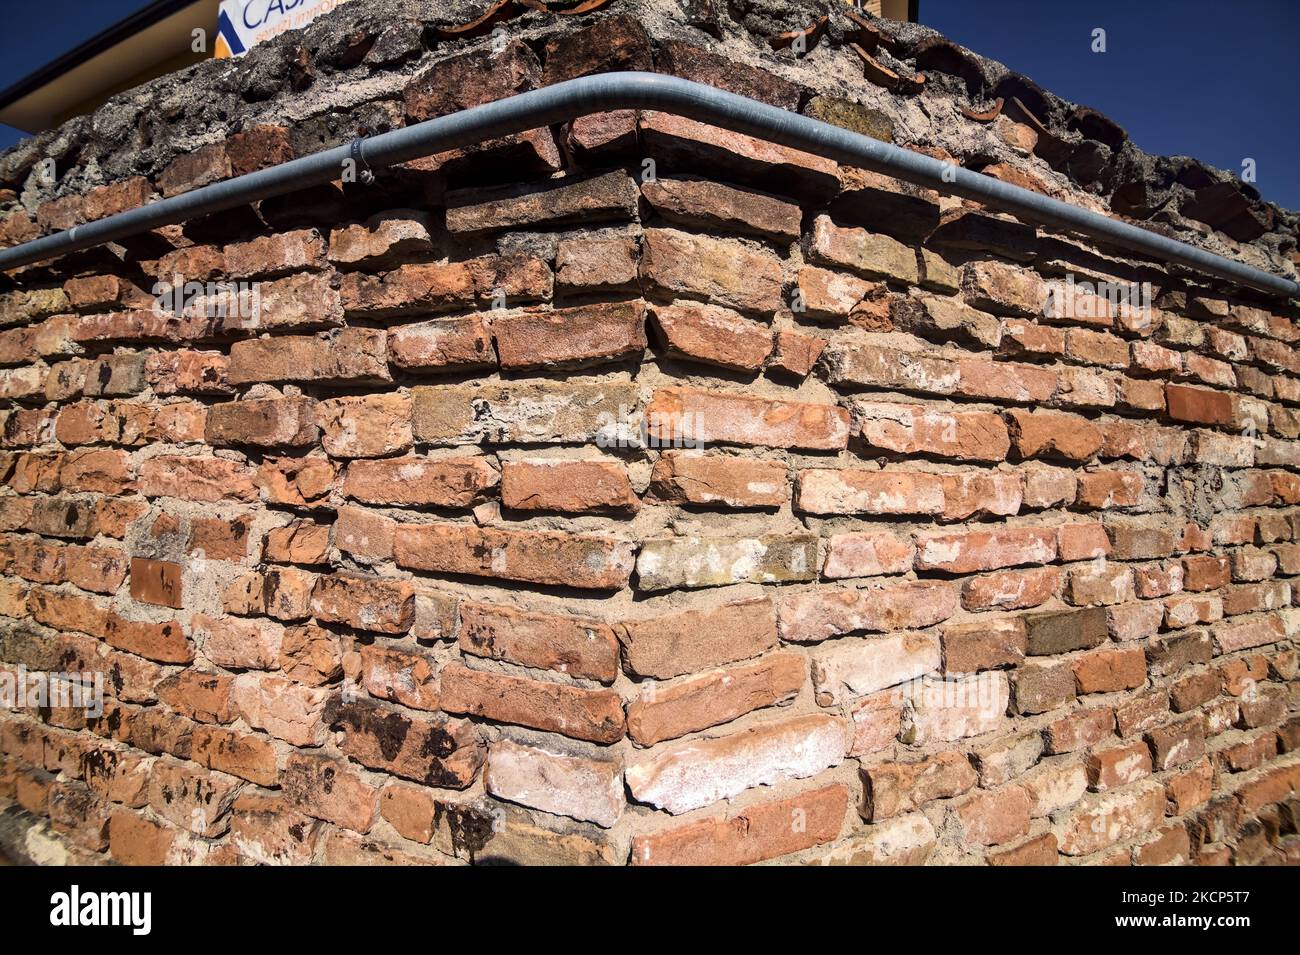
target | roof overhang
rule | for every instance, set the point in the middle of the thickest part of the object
(124, 55)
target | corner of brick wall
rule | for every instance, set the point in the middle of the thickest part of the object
(525, 506)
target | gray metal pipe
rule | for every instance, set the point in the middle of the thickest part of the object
(652, 91)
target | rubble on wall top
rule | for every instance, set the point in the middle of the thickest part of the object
(345, 74)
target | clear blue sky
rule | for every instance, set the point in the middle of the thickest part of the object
(1214, 79)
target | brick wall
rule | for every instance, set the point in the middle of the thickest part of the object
(527, 506)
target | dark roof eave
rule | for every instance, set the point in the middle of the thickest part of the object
(156, 12)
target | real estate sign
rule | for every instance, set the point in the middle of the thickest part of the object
(243, 23)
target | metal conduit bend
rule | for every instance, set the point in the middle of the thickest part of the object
(638, 90)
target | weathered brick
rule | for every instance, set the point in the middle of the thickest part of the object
(970, 551)
(419, 481)
(1053, 434)
(325, 789)
(757, 833)
(868, 254)
(609, 196)
(579, 646)
(381, 606)
(713, 335)
(1010, 589)
(576, 337)
(525, 412)
(586, 789)
(853, 491)
(866, 554)
(595, 715)
(566, 486)
(716, 561)
(1109, 670)
(382, 241)
(1041, 686)
(1104, 819)
(265, 422)
(916, 429)
(596, 264)
(543, 557)
(993, 817)
(287, 710)
(444, 753)
(674, 643)
(1178, 743)
(983, 645)
(458, 343)
(662, 713)
(698, 203)
(818, 614)
(275, 254)
(847, 669)
(724, 271)
(683, 477)
(893, 788)
(352, 356)
(1060, 632)
(680, 777)
(366, 426)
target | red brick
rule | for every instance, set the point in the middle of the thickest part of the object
(994, 817)
(713, 335)
(1010, 589)
(595, 715)
(1178, 743)
(575, 337)
(134, 840)
(966, 552)
(351, 356)
(199, 167)
(590, 264)
(890, 789)
(1079, 730)
(581, 647)
(399, 677)
(795, 353)
(460, 343)
(853, 491)
(760, 832)
(662, 713)
(670, 644)
(723, 271)
(1053, 434)
(442, 753)
(867, 554)
(983, 645)
(544, 557)
(275, 254)
(1037, 851)
(164, 642)
(328, 790)
(916, 429)
(1198, 405)
(815, 615)
(246, 756)
(416, 481)
(566, 486)
(684, 477)
(380, 606)
(677, 414)
(1117, 766)
(267, 422)
(1105, 819)
(1109, 670)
